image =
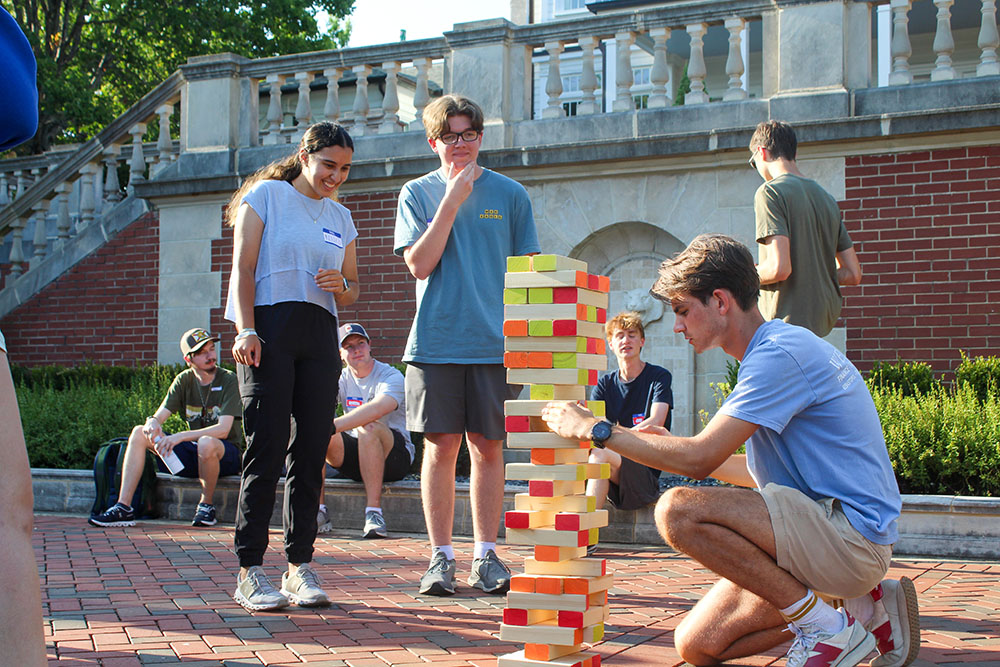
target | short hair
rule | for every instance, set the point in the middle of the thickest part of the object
(777, 138)
(437, 113)
(710, 262)
(624, 321)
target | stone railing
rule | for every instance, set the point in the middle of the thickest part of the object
(47, 200)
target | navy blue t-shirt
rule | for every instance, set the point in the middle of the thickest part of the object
(627, 404)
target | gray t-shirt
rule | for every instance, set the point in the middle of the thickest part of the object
(301, 236)
(384, 379)
(459, 318)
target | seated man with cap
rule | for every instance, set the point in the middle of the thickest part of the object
(208, 398)
(371, 444)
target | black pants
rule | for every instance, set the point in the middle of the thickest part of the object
(298, 375)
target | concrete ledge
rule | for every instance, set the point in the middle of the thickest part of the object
(940, 526)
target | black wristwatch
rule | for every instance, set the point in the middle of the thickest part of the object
(600, 432)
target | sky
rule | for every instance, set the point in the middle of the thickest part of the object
(379, 21)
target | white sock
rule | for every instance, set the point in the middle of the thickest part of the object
(812, 613)
(862, 608)
(482, 547)
(322, 507)
(373, 509)
(446, 549)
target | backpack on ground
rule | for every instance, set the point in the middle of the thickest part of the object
(108, 464)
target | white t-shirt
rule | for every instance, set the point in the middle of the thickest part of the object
(301, 236)
(384, 379)
(3, 343)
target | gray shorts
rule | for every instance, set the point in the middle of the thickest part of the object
(457, 398)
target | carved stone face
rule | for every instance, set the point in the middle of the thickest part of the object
(640, 300)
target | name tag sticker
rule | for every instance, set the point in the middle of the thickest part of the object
(216, 389)
(333, 238)
(353, 402)
(637, 419)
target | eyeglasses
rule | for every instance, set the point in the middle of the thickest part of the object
(468, 136)
(753, 158)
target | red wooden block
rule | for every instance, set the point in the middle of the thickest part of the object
(602, 315)
(593, 282)
(540, 488)
(564, 295)
(566, 521)
(563, 327)
(516, 616)
(516, 519)
(517, 424)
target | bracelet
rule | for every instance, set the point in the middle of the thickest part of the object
(153, 418)
(347, 285)
(246, 332)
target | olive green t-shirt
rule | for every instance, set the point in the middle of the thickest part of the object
(808, 215)
(201, 406)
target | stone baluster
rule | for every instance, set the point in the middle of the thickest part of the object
(164, 143)
(944, 43)
(303, 107)
(16, 257)
(989, 41)
(901, 50)
(553, 82)
(361, 107)
(62, 212)
(623, 73)
(734, 63)
(696, 65)
(22, 183)
(390, 103)
(112, 186)
(659, 73)
(588, 77)
(421, 95)
(4, 189)
(41, 239)
(87, 195)
(274, 113)
(137, 165)
(331, 110)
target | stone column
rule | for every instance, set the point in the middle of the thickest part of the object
(215, 111)
(421, 94)
(659, 73)
(390, 103)
(696, 65)
(360, 113)
(274, 112)
(588, 77)
(900, 74)
(331, 110)
(623, 74)
(989, 41)
(303, 107)
(734, 63)
(553, 82)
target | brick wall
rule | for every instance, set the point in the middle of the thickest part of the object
(104, 309)
(927, 225)
(387, 300)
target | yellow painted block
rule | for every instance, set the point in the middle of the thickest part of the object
(515, 296)
(519, 263)
(597, 362)
(540, 328)
(539, 295)
(552, 392)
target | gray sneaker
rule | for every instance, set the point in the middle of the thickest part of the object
(303, 587)
(439, 579)
(323, 524)
(374, 526)
(489, 574)
(257, 593)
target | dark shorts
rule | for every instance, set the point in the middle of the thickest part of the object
(397, 464)
(458, 398)
(187, 452)
(637, 486)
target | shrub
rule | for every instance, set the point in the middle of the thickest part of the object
(911, 377)
(981, 374)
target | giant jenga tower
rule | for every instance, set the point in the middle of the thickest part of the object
(554, 314)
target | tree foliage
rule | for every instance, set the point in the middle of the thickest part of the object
(98, 57)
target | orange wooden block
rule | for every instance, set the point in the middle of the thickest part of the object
(576, 585)
(547, 652)
(539, 360)
(523, 583)
(515, 359)
(543, 457)
(515, 328)
(603, 284)
(549, 585)
(582, 278)
(550, 554)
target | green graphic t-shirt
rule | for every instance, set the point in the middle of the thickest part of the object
(201, 406)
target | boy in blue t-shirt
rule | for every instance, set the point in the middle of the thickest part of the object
(455, 228)
(819, 517)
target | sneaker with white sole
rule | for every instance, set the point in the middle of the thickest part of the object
(118, 515)
(895, 623)
(323, 523)
(303, 587)
(822, 649)
(256, 592)
(374, 526)
(439, 579)
(204, 515)
(489, 574)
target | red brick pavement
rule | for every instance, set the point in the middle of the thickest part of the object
(160, 594)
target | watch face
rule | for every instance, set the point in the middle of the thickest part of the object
(600, 432)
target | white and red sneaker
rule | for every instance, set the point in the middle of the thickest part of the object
(821, 649)
(895, 623)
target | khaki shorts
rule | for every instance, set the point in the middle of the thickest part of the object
(818, 546)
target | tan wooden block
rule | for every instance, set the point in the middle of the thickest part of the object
(549, 632)
(576, 360)
(578, 567)
(581, 521)
(513, 616)
(553, 311)
(554, 554)
(545, 439)
(557, 392)
(542, 601)
(565, 376)
(548, 537)
(529, 519)
(581, 659)
(567, 278)
(544, 263)
(527, 502)
(556, 487)
(548, 457)
(530, 471)
(534, 408)
(545, 344)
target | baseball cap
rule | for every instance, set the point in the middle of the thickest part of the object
(351, 329)
(195, 339)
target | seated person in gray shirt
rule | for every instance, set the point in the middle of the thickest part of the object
(371, 444)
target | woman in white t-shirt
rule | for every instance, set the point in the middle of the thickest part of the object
(294, 263)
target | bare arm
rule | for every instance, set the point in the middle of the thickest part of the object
(246, 249)
(332, 280)
(423, 256)
(848, 267)
(696, 457)
(734, 471)
(366, 413)
(776, 260)
(657, 416)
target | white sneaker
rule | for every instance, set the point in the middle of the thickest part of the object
(895, 623)
(323, 523)
(821, 649)
(374, 526)
(257, 593)
(303, 587)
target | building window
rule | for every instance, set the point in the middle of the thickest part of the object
(640, 76)
(570, 108)
(571, 83)
(563, 6)
(641, 101)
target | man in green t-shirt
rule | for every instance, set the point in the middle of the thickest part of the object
(208, 398)
(805, 251)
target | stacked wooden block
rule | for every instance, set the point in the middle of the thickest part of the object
(554, 314)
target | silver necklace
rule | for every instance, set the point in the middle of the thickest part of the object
(322, 208)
